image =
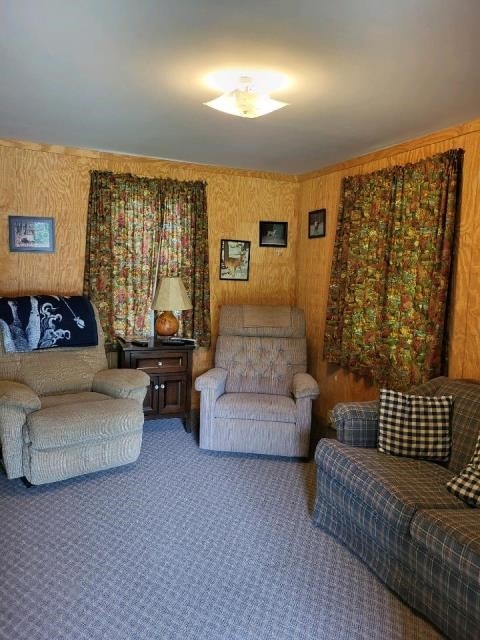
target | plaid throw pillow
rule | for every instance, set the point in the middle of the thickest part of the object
(466, 485)
(415, 426)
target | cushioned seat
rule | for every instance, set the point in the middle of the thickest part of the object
(394, 487)
(256, 406)
(452, 536)
(87, 421)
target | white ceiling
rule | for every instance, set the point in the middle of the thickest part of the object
(127, 76)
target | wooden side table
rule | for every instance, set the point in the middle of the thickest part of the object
(170, 371)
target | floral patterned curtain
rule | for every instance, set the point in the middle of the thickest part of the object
(389, 287)
(184, 252)
(135, 224)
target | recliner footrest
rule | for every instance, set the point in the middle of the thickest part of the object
(72, 424)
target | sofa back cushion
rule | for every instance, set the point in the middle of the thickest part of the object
(56, 370)
(465, 415)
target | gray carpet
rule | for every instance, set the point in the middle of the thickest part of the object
(184, 545)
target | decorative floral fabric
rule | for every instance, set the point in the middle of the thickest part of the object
(387, 306)
(135, 225)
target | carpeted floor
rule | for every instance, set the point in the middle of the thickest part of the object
(185, 545)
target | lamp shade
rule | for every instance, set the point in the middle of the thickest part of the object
(171, 296)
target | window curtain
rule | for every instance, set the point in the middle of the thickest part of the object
(139, 229)
(184, 252)
(391, 272)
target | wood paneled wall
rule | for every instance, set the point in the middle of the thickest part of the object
(54, 181)
(314, 257)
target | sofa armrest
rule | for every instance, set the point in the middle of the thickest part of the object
(304, 386)
(17, 400)
(16, 394)
(356, 423)
(121, 383)
(212, 380)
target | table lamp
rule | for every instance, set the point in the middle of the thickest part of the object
(170, 295)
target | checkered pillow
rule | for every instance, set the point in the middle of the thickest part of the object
(466, 485)
(415, 426)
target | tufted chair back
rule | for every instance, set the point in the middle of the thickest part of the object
(261, 348)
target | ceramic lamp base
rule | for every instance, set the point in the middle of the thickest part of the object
(166, 324)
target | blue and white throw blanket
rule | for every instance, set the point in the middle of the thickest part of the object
(28, 323)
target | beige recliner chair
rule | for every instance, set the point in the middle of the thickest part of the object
(63, 413)
(258, 398)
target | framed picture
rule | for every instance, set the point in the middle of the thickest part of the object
(234, 259)
(317, 223)
(31, 234)
(273, 234)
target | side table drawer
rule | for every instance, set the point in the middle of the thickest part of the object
(161, 362)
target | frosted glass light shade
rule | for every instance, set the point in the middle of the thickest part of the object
(245, 103)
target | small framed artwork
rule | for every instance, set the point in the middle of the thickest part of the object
(317, 223)
(31, 234)
(273, 234)
(234, 259)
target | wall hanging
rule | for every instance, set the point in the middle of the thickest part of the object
(273, 234)
(31, 234)
(317, 223)
(234, 259)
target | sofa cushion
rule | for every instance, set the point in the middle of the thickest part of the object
(72, 424)
(69, 398)
(453, 536)
(414, 426)
(256, 406)
(395, 488)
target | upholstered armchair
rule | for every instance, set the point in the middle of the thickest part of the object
(63, 413)
(258, 398)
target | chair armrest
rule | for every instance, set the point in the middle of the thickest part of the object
(121, 383)
(356, 423)
(16, 394)
(304, 386)
(214, 379)
(17, 400)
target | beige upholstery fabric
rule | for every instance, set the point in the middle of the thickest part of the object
(264, 316)
(246, 401)
(260, 365)
(16, 394)
(256, 406)
(232, 324)
(61, 463)
(259, 436)
(55, 425)
(69, 398)
(12, 420)
(86, 421)
(120, 383)
(304, 386)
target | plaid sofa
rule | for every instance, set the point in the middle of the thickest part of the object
(397, 516)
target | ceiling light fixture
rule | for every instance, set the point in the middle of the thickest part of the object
(249, 99)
